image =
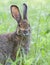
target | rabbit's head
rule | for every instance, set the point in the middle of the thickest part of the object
(23, 27)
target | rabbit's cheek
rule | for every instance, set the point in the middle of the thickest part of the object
(18, 32)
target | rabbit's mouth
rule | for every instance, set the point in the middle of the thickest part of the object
(23, 32)
(26, 34)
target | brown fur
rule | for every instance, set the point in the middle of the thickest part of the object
(10, 43)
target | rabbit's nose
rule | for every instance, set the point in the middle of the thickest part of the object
(25, 32)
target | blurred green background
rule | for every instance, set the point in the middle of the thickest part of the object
(39, 19)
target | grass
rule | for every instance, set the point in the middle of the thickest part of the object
(39, 19)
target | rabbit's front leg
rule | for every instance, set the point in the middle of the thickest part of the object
(8, 63)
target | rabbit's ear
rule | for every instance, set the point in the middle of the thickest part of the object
(15, 13)
(24, 11)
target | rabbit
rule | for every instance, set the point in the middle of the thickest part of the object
(10, 42)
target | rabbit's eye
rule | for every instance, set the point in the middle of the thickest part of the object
(19, 25)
